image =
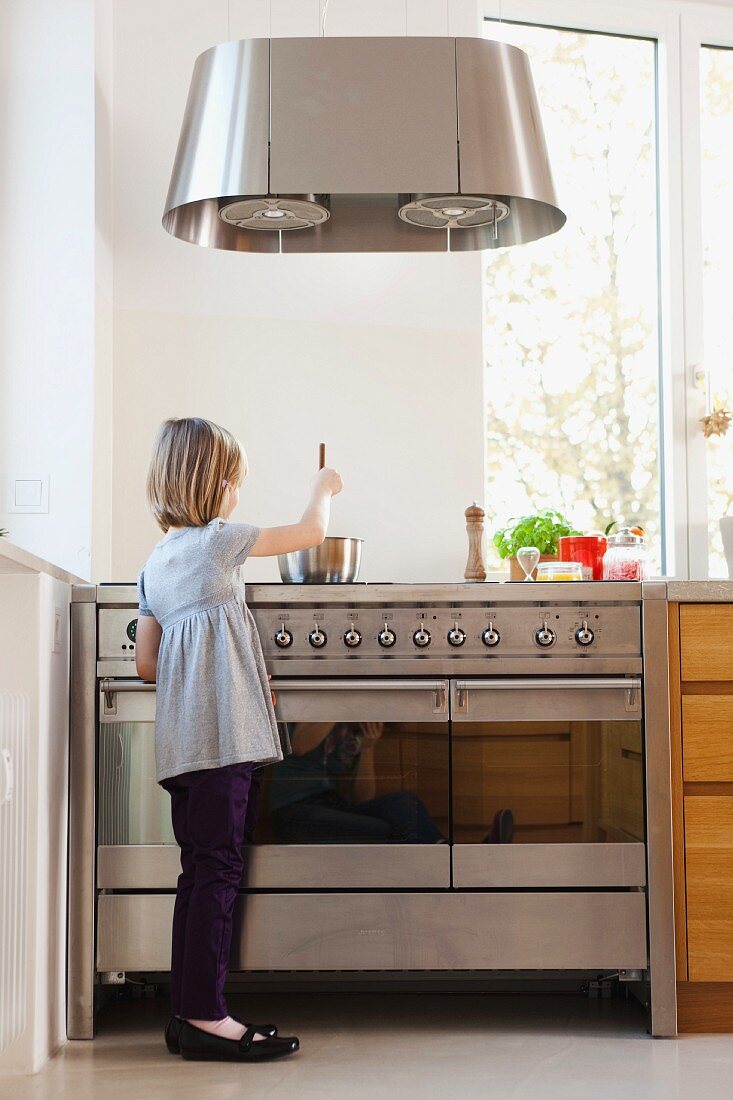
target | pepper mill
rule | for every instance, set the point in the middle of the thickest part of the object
(475, 568)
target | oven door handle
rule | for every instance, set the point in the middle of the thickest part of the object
(110, 687)
(439, 688)
(520, 684)
(359, 685)
(629, 684)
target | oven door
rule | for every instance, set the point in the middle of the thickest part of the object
(565, 756)
(362, 803)
(363, 800)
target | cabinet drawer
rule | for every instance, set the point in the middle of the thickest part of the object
(709, 864)
(707, 738)
(706, 641)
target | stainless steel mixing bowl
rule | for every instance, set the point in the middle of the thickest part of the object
(335, 561)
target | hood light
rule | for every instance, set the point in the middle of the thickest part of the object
(272, 214)
(444, 212)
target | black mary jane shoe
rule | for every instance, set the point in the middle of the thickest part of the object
(174, 1025)
(201, 1046)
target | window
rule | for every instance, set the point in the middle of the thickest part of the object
(716, 96)
(572, 377)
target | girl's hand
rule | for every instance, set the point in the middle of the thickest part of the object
(328, 481)
(372, 732)
(311, 531)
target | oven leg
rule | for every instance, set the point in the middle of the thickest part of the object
(82, 824)
(660, 882)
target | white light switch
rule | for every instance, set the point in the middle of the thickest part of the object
(28, 494)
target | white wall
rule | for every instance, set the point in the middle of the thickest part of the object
(103, 290)
(380, 356)
(47, 269)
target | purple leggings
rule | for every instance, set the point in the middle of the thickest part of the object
(214, 814)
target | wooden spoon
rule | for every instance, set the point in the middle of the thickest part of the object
(321, 456)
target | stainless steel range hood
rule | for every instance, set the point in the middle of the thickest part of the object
(361, 145)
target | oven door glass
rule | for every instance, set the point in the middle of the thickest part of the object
(548, 782)
(136, 848)
(132, 807)
(363, 800)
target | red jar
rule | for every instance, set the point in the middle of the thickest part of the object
(588, 550)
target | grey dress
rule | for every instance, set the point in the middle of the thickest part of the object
(213, 703)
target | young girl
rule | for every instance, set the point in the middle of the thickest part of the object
(214, 723)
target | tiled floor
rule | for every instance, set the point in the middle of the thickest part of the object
(401, 1045)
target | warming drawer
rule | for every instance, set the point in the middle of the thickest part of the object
(396, 931)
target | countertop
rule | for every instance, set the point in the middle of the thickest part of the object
(700, 591)
(13, 559)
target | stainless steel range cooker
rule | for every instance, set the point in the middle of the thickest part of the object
(425, 719)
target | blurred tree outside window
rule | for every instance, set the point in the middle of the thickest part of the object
(716, 124)
(572, 376)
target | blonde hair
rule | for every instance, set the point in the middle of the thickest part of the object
(193, 462)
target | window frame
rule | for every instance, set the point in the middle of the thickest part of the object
(679, 30)
(699, 27)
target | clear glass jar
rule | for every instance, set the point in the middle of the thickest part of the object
(625, 558)
(559, 571)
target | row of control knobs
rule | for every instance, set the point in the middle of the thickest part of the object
(545, 636)
(352, 637)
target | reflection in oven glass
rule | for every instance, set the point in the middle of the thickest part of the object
(359, 783)
(132, 807)
(564, 781)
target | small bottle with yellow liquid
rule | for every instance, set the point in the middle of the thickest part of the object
(559, 571)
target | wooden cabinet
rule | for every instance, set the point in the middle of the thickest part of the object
(709, 873)
(706, 641)
(701, 694)
(707, 738)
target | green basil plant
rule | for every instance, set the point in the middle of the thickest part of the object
(541, 530)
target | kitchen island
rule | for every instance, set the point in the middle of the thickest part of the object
(701, 727)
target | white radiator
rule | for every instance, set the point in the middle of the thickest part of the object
(13, 863)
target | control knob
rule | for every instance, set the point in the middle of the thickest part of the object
(386, 637)
(317, 638)
(584, 635)
(352, 637)
(490, 636)
(456, 636)
(283, 638)
(545, 637)
(421, 638)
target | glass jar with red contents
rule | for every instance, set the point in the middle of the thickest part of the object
(625, 558)
(586, 549)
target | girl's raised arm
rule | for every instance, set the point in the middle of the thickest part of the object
(311, 531)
